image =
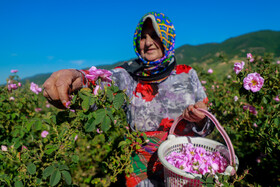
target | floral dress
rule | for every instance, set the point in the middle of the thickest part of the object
(153, 109)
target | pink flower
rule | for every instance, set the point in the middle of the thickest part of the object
(67, 104)
(255, 125)
(23, 147)
(278, 61)
(197, 160)
(203, 82)
(253, 82)
(210, 71)
(251, 109)
(19, 84)
(11, 98)
(235, 98)
(35, 88)
(4, 148)
(14, 71)
(95, 73)
(250, 57)
(12, 86)
(48, 105)
(98, 131)
(71, 110)
(76, 137)
(44, 134)
(277, 98)
(238, 67)
(95, 92)
(38, 109)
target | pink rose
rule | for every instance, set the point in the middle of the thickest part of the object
(95, 73)
(44, 134)
(253, 82)
(210, 71)
(12, 86)
(14, 71)
(4, 148)
(35, 88)
(38, 109)
(277, 98)
(238, 67)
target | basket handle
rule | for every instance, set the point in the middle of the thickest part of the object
(220, 129)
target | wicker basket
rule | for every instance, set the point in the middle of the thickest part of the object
(176, 177)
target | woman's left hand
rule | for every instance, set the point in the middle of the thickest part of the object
(191, 113)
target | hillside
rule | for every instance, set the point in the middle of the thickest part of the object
(256, 43)
(218, 56)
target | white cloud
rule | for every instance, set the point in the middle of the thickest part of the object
(77, 62)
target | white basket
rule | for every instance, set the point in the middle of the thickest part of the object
(176, 177)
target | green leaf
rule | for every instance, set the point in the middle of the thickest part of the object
(105, 126)
(110, 114)
(264, 100)
(122, 143)
(18, 184)
(115, 88)
(75, 158)
(85, 104)
(91, 101)
(110, 95)
(38, 125)
(50, 151)
(90, 125)
(63, 167)
(38, 181)
(276, 121)
(28, 125)
(31, 168)
(100, 115)
(55, 177)
(85, 92)
(118, 101)
(48, 171)
(67, 177)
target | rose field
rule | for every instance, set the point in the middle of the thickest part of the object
(89, 143)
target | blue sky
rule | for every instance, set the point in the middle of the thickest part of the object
(41, 36)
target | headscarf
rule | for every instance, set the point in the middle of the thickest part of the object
(166, 32)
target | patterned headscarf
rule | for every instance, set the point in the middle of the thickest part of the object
(166, 32)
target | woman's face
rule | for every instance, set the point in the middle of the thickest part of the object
(151, 48)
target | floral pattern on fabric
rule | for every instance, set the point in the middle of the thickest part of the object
(183, 69)
(165, 124)
(147, 91)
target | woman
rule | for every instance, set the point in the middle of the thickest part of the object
(160, 91)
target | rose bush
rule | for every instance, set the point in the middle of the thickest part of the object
(89, 143)
(244, 103)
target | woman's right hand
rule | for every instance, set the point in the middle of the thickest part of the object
(60, 84)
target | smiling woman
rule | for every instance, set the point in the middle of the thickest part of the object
(151, 48)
